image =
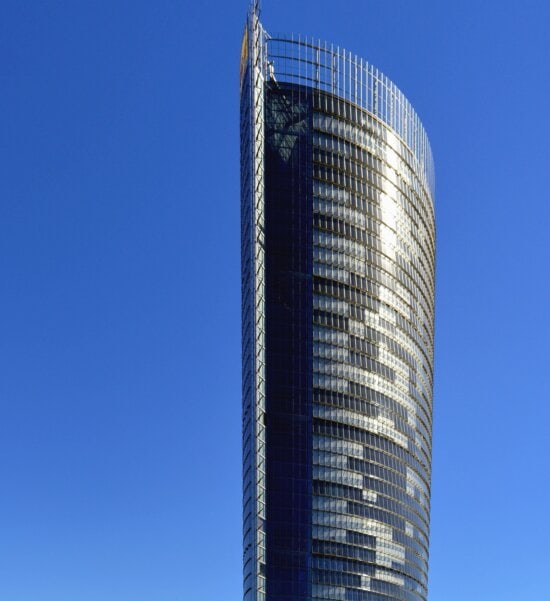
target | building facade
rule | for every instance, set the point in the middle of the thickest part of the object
(338, 251)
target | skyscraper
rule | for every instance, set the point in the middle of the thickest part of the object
(338, 247)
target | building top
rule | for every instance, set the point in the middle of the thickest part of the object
(328, 68)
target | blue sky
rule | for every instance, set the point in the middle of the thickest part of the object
(119, 263)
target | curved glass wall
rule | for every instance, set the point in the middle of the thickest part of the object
(338, 308)
(373, 310)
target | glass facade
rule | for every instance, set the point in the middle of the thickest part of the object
(338, 250)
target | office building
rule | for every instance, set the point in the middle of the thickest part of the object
(338, 249)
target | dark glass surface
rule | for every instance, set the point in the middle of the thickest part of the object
(288, 250)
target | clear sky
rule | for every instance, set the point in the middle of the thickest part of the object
(120, 289)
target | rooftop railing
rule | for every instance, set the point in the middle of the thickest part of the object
(322, 66)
